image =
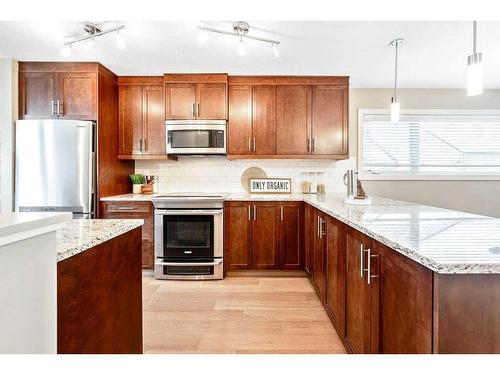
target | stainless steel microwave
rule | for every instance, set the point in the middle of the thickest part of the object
(196, 137)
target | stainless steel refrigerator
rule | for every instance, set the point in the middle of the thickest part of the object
(55, 166)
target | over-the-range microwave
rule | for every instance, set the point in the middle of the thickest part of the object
(196, 137)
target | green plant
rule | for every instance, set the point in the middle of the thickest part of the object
(137, 179)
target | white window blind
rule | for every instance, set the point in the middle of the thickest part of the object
(431, 144)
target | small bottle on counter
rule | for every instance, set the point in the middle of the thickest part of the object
(314, 184)
(306, 185)
(320, 188)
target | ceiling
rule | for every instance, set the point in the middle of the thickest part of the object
(434, 55)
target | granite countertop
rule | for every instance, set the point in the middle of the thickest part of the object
(445, 241)
(79, 235)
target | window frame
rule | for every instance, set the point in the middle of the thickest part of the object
(423, 177)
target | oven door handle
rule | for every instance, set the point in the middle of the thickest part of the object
(214, 263)
(188, 212)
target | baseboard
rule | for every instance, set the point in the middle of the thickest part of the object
(266, 273)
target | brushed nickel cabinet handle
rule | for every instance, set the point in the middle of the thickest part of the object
(369, 266)
(52, 103)
(281, 213)
(361, 255)
(145, 144)
(249, 214)
(313, 146)
(254, 212)
(60, 108)
(254, 145)
(197, 109)
(317, 225)
(140, 144)
(308, 144)
(321, 232)
(193, 110)
(249, 144)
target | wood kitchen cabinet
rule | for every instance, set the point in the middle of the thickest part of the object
(318, 256)
(291, 235)
(309, 220)
(252, 120)
(196, 96)
(293, 128)
(288, 117)
(47, 92)
(405, 305)
(263, 235)
(135, 210)
(238, 235)
(335, 272)
(329, 120)
(361, 295)
(141, 117)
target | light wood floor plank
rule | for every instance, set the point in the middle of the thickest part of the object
(236, 315)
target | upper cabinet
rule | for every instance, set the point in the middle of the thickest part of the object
(288, 117)
(196, 96)
(141, 118)
(55, 90)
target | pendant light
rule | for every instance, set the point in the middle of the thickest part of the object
(395, 108)
(474, 67)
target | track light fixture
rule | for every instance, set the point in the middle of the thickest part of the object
(93, 31)
(240, 30)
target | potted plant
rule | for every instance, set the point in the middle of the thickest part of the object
(137, 181)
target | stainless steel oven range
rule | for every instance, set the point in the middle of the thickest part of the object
(189, 236)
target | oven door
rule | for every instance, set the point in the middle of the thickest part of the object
(196, 138)
(188, 244)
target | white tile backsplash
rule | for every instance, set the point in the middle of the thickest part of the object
(217, 174)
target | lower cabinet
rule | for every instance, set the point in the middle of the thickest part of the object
(308, 238)
(335, 272)
(135, 210)
(361, 293)
(319, 251)
(263, 235)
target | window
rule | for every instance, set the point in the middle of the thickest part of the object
(429, 144)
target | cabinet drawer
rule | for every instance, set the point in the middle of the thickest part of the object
(126, 207)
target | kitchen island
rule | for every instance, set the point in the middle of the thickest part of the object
(99, 287)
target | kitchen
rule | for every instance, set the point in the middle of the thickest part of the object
(254, 208)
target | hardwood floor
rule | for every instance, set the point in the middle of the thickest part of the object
(236, 315)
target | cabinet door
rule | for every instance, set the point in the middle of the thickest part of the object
(180, 100)
(309, 236)
(37, 92)
(405, 304)
(319, 250)
(239, 131)
(238, 235)
(358, 308)
(77, 95)
(265, 240)
(293, 105)
(130, 120)
(329, 120)
(211, 101)
(264, 120)
(154, 120)
(335, 271)
(291, 235)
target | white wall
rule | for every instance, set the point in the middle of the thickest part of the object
(8, 114)
(481, 197)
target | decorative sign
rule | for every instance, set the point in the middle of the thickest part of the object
(270, 185)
